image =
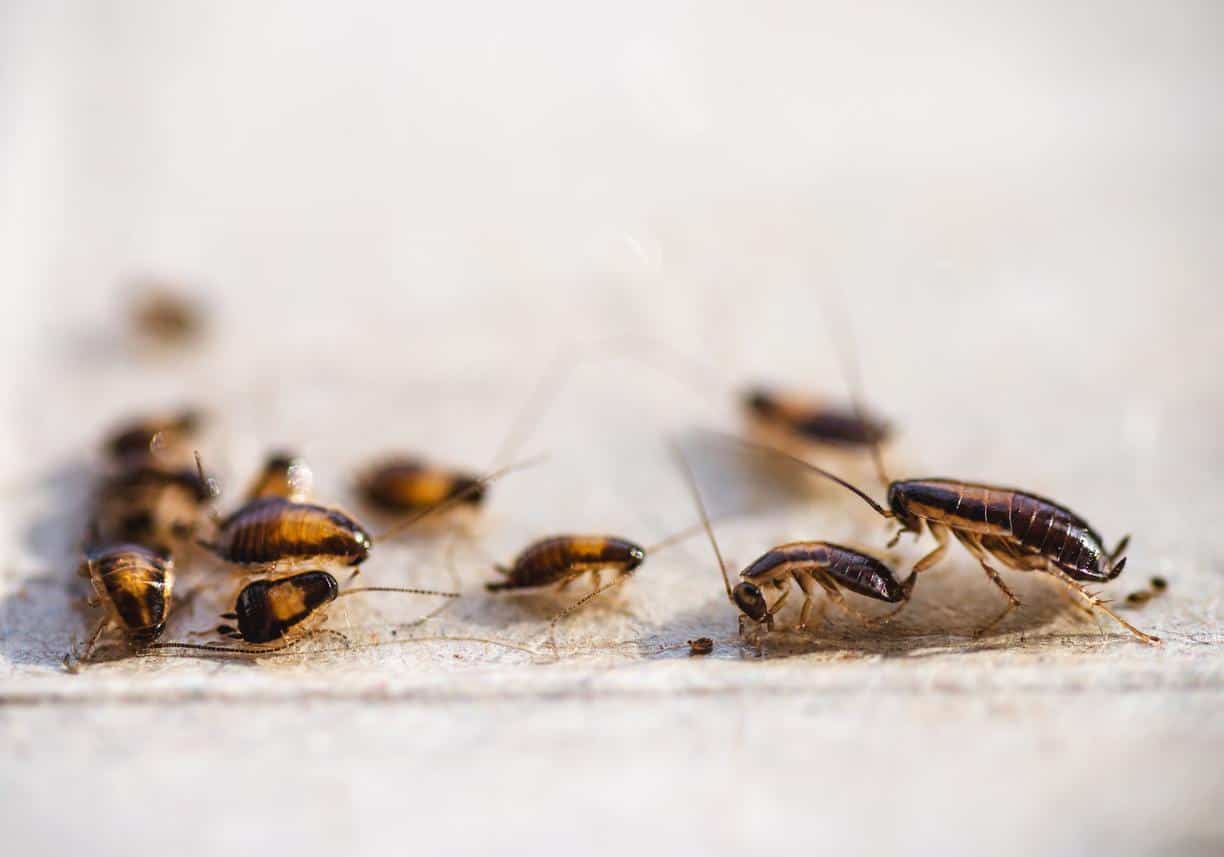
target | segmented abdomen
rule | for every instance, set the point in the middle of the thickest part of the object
(553, 559)
(1028, 523)
(857, 571)
(274, 529)
(137, 581)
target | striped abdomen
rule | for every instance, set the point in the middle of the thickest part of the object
(813, 420)
(409, 485)
(137, 583)
(269, 610)
(1007, 518)
(856, 571)
(273, 530)
(555, 559)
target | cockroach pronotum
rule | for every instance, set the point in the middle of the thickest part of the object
(810, 564)
(132, 583)
(273, 534)
(274, 613)
(283, 475)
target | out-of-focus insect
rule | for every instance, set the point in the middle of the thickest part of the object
(810, 564)
(273, 534)
(165, 317)
(150, 506)
(1021, 530)
(155, 441)
(279, 611)
(402, 484)
(701, 646)
(557, 561)
(793, 419)
(1156, 586)
(132, 584)
(284, 475)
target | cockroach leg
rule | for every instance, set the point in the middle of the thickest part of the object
(1097, 603)
(940, 534)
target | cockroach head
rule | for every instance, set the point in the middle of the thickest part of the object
(751, 601)
(899, 507)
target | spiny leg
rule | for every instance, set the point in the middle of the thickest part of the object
(1013, 602)
(835, 595)
(805, 612)
(1098, 603)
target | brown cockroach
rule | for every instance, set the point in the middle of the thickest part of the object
(274, 534)
(283, 475)
(810, 564)
(133, 584)
(807, 421)
(557, 561)
(403, 483)
(155, 440)
(151, 506)
(274, 613)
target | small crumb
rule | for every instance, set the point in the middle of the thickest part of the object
(701, 646)
(1159, 584)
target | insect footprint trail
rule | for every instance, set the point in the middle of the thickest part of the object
(812, 565)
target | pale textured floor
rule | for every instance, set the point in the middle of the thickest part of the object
(398, 223)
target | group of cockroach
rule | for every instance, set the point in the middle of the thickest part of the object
(156, 505)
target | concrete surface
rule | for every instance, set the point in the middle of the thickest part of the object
(398, 218)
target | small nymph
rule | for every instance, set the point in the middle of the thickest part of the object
(133, 585)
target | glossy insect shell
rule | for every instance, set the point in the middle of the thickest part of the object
(273, 530)
(136, 582)
(138, 441)
(553, 559)
(1025, 522)
(856, 571)
(408, 484)
(269, 610)
(148, 506)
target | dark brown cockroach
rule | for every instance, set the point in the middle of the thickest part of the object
(283, 475)
(150, 506)
(1022, 531)
(155, 441)
(810, 564)
(790, 418)
(408, 484)
(274, 613)
(132, 584)
(273, 534)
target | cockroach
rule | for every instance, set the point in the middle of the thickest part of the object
(1159, 584)
(154, 440)
(1023, 531)
(277, 612)
(810, 564)
(1156, 586)
(557, 561)
(273, 534)
(283, 475)
(164, 316)
(408, 484)
(132, 583)
(805, 420)
(148, 505)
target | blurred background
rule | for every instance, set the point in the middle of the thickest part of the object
(393, 218)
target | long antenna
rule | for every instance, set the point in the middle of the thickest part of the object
(842, 334)
(398, 589)
(691, 481)
(552, 626)
(457, 497)
(769, 450)
(570, 359)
